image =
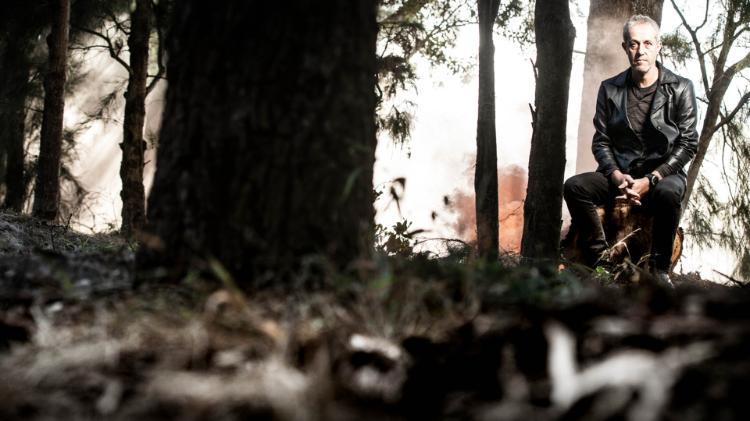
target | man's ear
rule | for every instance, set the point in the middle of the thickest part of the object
(624, 47)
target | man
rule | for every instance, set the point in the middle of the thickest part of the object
(644, 135)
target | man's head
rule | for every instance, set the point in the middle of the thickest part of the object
(640, 40)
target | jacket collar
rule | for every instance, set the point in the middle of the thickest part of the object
(665, 76)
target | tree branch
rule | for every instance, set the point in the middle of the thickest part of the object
(694, 36)
(729, 26)
(111, 48)
(739, 66)
(733, 280)
(734, 38)
(119, 25)
(727, 118)
(705, 18)
(88, 47)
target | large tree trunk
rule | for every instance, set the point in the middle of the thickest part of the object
(133, 146)
(604, 59)
(47, 193)
(267, 149)
(543, 207)
(485, 175)
(14, 91)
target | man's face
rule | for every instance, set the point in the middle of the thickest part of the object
(642, 48)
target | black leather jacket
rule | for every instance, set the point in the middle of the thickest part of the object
(673, 114)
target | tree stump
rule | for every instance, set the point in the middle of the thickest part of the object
(628, 230)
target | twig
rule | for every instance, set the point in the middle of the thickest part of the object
(455, 240)
(611, 249)
(733, 280)
(113, 52)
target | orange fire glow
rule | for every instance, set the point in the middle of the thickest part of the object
(511, 193)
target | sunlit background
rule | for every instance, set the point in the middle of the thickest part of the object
(437, 161)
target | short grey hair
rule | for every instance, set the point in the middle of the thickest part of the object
(637, 20)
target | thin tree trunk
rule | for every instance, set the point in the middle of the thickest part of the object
(485, 175)
(14, 73)
(604, 59)
(722, 79)
(5, 124)
(15, 119)
(543, 206)
(15, 88)
(133, 145)
(715, 100)
(47, 193)
(267, 149)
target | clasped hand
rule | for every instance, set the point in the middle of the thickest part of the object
(631, 190)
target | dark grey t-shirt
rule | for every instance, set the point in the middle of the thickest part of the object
(638, 109)
(639, 105)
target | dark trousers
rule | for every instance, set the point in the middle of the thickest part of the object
(584, 192)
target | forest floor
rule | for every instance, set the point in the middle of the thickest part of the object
(414, 339)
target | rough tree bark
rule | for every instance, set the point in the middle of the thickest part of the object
(267, 149)
(543, 206)
(604, 59)
(485, 175)
(14, 90)
(133, 146)
(47, 191)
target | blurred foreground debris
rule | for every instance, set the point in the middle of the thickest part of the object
(421, 340)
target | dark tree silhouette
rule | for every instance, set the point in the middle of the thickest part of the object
(485, 175)
(21, 23)
(604, 59)
(133, 146)
(543, 207)
(267, 147)
(47, 193)
(15, 69)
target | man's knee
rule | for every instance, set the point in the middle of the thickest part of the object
(669, 192)
(570, 187)
(575, 187)
(584, 186)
